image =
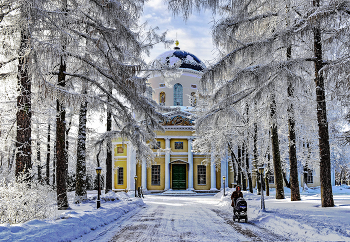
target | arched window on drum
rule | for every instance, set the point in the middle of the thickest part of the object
(193, 99)
(178, 99)
(162, 98)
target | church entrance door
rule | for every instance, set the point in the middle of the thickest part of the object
(179, 176)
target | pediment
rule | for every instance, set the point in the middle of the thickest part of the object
(179, 118)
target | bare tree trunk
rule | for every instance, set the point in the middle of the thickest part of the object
(325, 163)
(250, 182)
(276, 151)
(234, 160)
(109, 168)
(239, 167)
(61, 163)
(255, 153)
(24, 112)
(294, 183)
(38, 160)
(267, 176)
(48, 157)
(54, 166)
(244, 179)
(80, 185)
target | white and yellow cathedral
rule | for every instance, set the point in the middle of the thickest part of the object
(177, 168)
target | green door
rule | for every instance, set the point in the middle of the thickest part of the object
(179, 176)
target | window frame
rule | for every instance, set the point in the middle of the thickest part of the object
(178, 94)
(155, 175)
(200, 175)
(176, 143)
(120, 176)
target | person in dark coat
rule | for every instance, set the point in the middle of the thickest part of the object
(235, 195)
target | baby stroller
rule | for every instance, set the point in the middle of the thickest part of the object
(240, 210)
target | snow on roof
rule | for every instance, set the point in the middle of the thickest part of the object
(188, 60)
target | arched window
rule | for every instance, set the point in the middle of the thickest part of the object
(162, 98)
(178, 95)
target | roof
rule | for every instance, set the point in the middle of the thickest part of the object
(188, 60)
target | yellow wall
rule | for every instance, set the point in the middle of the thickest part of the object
(124, 151)
(139, 174)
(196, 162)
(175, 133)
(121, 162)
(185, 145)
(158, 161)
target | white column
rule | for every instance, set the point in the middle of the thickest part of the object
(131, 167)
(224, 171)
(212, 173)
(167, 162)
(190, 165)
(129, 182)
(144, 174)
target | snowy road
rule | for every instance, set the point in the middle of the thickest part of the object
(180, 219)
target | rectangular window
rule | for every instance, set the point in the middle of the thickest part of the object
(202, 174)
(310, 177)
(179, 145)
(120, 176)
(157, 146)
(156, 175)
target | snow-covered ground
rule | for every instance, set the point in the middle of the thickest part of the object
(74, 222)
(301, 220)
(195, 218)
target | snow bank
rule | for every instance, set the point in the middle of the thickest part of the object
(303, 220)
(70, 224)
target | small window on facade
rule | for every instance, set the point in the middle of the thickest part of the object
(156, 175)
(193, 86)
(157, 146)
(310, 177)
(161, 85)
(179, 145)
(120, 150)
(202, 174)
(162, 98)
(120, 176)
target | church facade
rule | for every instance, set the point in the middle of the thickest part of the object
(177, 167)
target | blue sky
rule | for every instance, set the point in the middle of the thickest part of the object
(194, 35)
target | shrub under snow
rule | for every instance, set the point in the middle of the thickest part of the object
(24, 201)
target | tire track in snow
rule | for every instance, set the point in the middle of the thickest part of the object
(257, 233)
(140, 227)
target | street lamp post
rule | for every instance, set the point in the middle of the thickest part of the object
(98, 171)
(223, 178)
(261, 171)
(135, 177)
